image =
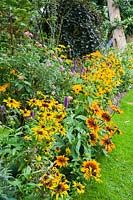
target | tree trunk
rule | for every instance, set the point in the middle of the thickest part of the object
(119, 39)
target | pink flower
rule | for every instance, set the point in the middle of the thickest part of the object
(4, 55)
(62, 68)
(48, 63)
(38, 44)
(60, 59)
(20, 78)
(28, 34)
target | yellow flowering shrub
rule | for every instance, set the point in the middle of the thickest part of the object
(55, 137)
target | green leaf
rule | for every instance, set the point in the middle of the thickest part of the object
(70, 136)
(74, 155)
(78, 147)
(19, 86)
(27, 83)
(5, 197)
(89, 100)
(5, 151)
(27, 172)
(16, 182)
(14, 151)
(32, 185)
(87, 150)
(81, 117)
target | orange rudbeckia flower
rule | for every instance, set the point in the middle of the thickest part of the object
(61, 161)
(106, 141)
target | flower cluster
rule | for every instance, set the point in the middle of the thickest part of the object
(55, 137)
(57, 146)
(102, 74)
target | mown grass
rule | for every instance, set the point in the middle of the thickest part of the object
(117, 167)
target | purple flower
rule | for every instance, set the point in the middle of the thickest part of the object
(32, 114)
(82, 69)
(75, 64)
(66, 101)
(74, 67)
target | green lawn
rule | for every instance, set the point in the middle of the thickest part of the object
(117, 167)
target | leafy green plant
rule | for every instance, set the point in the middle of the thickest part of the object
(15, 16)
(126, 9)
(125, 58)
(52, 148)
(33, 66)
(6, 190)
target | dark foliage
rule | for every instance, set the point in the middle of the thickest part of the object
(78, 24)
(79, 28)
